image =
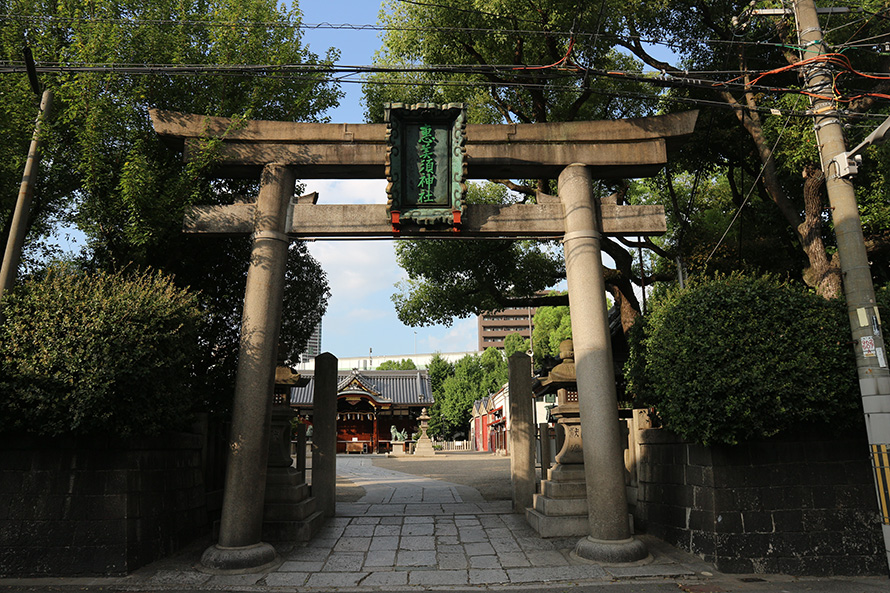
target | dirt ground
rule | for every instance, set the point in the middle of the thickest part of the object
(487, 473)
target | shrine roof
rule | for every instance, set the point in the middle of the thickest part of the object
(395, 387)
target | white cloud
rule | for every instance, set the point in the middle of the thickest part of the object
(348, 191)
(460, 337)
(357, 269)
(369, 314)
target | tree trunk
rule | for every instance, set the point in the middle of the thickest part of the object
(823, 273)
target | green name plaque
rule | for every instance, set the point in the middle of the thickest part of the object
(426, 164)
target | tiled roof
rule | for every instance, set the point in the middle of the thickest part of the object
(396, 387)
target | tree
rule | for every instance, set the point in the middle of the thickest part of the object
(102, 354)
(406, 364)
(552, 326)
(475, 377)
(109, 173)
(773, 150)
(448, 279)
(566, 62)
(733, 358)
(438, 369)
(515, 343)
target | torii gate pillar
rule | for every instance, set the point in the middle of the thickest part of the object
(240, 548)
(610, 539)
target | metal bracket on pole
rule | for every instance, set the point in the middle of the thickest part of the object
(847, 163)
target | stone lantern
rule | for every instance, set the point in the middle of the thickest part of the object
(289, 513)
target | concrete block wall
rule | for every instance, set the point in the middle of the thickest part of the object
(800, 506)
(94, 506)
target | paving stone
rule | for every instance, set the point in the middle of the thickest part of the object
(352, 509)
(513, 560)
(556, 573)
(417, 542)
(484, 562)
(178, 577)
(492, 522)
(234, 581)
(472, 534)
(438, 577)
(335, 579)
(384, 542)
(447, 540)
(391, 520)
(310, 554)
(451, 549)
(533, 544)
(330, 531)
(385, 579)
(353, 544)
(479, 549)
(377, 558)
(416, 558)
(385, 510)
(487, 576)
(422, 511)
(499, 532)
(418, 529)
(286, 579)
(366, 521)
(416, 520)
(547, 558)
(467, 522)
(652, 570)
(394, 530)
(446, 529)
(300, 566)
(345, 562)
(358, 531)
(503, 545)
(446, 561)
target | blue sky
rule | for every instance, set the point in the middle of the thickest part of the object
(362, 274)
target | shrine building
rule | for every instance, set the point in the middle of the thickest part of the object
(369, 405)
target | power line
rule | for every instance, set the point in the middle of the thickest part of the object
(671, 45)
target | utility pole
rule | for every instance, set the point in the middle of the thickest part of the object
(16, 239)
(865, 320)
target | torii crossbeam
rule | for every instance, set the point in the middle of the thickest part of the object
(280, 152)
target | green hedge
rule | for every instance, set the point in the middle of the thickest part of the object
(97, 354)
(735, 358)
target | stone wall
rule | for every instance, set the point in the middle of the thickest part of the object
(799, 506)
(85, 507)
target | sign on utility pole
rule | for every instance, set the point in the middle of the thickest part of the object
(865, 320)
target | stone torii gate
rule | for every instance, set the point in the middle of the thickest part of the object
(281, 152)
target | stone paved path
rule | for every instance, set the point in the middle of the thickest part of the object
(411, 532)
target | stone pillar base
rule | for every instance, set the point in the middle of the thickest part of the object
(242, 560)
(612, 552)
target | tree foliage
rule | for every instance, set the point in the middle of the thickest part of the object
(474, 377)
(438, 369)
(515, 343)
(108, 173)
(406, 364)
(552, 326)
(448, 279)
(732, 358)
(745, 193)
(99, 353)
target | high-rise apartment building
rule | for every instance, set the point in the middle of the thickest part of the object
(313, 346)
(495, 326)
